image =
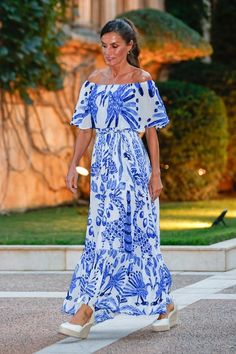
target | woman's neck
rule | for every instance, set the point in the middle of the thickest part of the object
(118, 71)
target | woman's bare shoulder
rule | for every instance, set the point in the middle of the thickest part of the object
(97, 75)
(141, 75)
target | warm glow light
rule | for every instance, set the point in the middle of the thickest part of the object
(213, 212)
(201, 171)
(185, 224)
(82, 171)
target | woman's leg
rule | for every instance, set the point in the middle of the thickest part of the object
(82, 316)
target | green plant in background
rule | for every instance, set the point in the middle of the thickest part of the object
(220, 74)
(158, 28)
(29, 45)
(223, 31)
(193, 13)
(221, 79)
(193, 147)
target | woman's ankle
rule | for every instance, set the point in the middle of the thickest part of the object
(170, 307)
(88, 311)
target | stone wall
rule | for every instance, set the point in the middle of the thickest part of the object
(37, 141)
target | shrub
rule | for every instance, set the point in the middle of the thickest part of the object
(221, 79)
(223, 31)
(193, 147)
(159, 29)
(193, 13)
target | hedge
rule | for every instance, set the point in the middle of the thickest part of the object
(221, 79)
(159, 28)
(193, 146)
(193, 13)
(223, 31)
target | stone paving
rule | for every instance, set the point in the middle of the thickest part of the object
(30, 305)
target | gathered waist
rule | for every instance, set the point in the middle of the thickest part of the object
(114, 130)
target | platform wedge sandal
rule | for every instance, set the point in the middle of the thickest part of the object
(77, 331)
(173, 316)
(166, 323)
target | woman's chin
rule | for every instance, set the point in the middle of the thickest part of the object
(109, 62)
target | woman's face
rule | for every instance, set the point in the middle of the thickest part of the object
(114, 48)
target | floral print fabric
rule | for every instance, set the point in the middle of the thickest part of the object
(121, 269)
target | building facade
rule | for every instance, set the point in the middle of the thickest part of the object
(95, 13)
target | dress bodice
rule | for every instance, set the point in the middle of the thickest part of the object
(133, 105)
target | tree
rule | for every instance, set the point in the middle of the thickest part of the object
(29, 45)
(30, 37)
(193, 13)
(223, 31)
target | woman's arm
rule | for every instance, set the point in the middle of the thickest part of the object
(83, 139)
(155, 185)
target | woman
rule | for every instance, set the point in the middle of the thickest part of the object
(121, 269)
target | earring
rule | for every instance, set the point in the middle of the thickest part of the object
(129, 52)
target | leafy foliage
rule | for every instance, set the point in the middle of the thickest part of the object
(194, 145)
(223, 31)
(190, 12)
(221, 79)
(158, 27)
(29, 45)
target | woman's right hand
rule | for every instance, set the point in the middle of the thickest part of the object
(72, 180)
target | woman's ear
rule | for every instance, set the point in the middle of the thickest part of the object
(131, 43)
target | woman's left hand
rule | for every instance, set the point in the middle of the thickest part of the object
(155, 186)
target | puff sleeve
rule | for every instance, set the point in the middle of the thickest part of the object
(152, 109)
(82, 115)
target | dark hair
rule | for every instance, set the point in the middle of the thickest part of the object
(127, 30)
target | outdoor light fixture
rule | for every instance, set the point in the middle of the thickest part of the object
(201, 171)
(220, 218)
(165, 166)
(82, 171)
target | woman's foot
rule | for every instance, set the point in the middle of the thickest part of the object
(166, 320)
(82, 316)
(80, 324)
(170, 307)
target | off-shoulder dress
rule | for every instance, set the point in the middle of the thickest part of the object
(121, 269)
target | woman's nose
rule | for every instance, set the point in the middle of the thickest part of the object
(108, 50)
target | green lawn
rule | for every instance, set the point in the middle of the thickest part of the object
(183, 223)
(189, 223)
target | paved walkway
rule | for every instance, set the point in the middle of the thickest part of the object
(30, 315)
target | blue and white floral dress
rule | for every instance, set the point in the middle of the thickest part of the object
(121, 269)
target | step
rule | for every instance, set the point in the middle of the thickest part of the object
(217, 257)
